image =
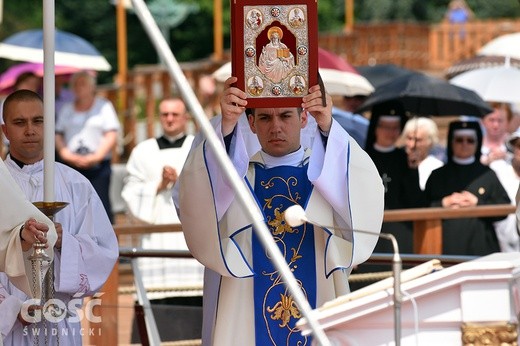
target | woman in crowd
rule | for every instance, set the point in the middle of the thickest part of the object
(420, 134)
(465, 182)
(86, 135)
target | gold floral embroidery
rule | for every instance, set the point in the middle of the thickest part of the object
(284, 310)
(281, 192)
(279, 224)
(292, 181)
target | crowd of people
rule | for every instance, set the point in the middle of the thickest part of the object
(474, 169)
(284, 156)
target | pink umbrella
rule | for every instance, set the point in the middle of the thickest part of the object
(8, 78)
(332, 61)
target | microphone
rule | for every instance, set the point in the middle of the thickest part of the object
(295, 216)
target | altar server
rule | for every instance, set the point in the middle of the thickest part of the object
(86, 247)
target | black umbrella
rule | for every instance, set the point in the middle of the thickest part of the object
(419, 94)
(381, 74)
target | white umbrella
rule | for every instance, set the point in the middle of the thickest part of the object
(70, 50)
(505, 45)
(222, 73)
(336, 82)
(345, 83)
(493, 84)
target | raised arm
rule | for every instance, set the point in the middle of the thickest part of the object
(313, 104)
(232, 103)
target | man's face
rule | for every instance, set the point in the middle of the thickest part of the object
(173, 117)
(464, 147)
(278, 129)
(24, 129)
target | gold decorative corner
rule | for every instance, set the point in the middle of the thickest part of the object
(489, 334)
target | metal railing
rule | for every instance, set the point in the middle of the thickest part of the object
(427, 240)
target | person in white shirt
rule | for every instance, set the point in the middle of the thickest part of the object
(508, 172)
(495, 130)
(153, 168)
(86, 248)
(86, 134)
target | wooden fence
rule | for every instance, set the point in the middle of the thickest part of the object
(416, 46)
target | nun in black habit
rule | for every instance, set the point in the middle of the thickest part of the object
(401, 183)
(465, 182)
(386, 124)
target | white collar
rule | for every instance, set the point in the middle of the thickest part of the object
(460, 161)
(293, 159)
(172, 139)
(382, 149)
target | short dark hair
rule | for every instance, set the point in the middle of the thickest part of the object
(19, 95)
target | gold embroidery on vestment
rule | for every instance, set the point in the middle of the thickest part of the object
(284, 310)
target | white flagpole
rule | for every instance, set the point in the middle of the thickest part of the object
(224, 162)
(48, 100)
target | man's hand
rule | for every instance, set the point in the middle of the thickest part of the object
(59, 232)
(33, 231)
(31, 311)
(312, 103)
(232, 104)
(169, 177)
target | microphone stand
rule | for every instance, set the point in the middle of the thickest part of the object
(398, 296)
(236, 182)
(298, 217)
(397, 266)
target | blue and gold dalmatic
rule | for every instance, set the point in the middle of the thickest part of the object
(276, 312)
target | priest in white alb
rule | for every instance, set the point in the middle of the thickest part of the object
(245, 298)
(153, 168)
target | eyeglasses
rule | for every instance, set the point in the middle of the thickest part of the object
(469, 140)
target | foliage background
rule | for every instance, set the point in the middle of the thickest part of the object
(95, 21)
